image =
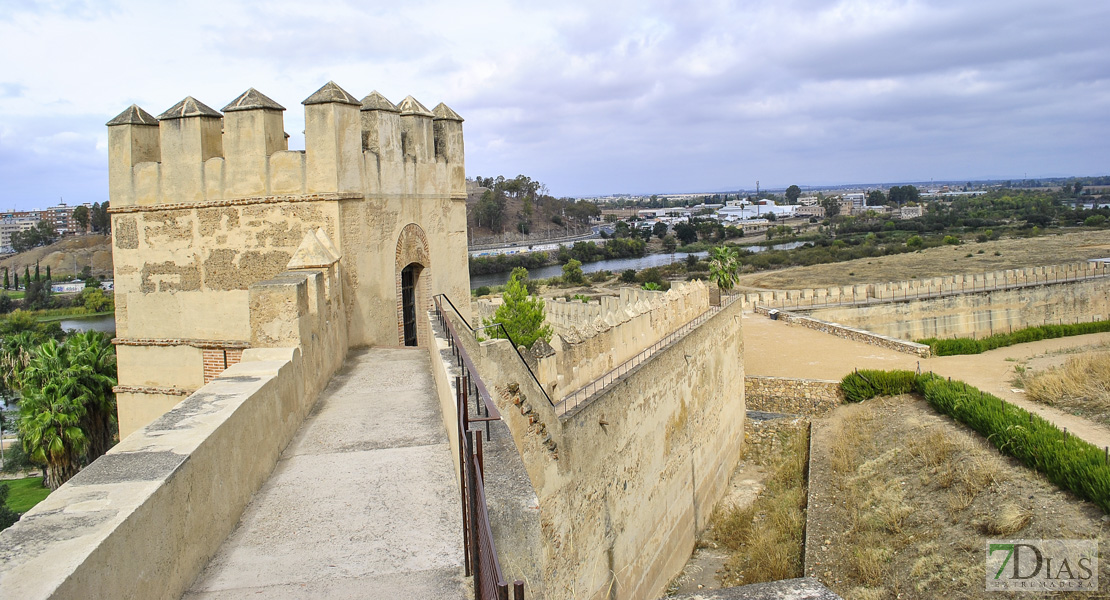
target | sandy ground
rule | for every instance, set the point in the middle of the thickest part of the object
(778, 349)
(944, 260)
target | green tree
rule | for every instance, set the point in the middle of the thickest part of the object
(17, 281)
(37, 276)
(876, 198)
(915, 242)
(831, 205)
(99, 218)
(48, 278)
(67, 413)
(792, 194)
(686, 233)
(81, 216)
(26, 275)
(723, 264)
(572, 272)
(7, 282)
(660, 230)
(669, 244)
(521, 315)
(7, 516)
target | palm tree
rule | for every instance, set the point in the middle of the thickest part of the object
(723, 264)
(50, 427)
(68, 412)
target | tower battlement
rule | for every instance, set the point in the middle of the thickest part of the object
(192, 153)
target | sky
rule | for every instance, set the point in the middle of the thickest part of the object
(591, 98)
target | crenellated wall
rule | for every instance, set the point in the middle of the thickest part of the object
(592, 338)
(932, 286)
(627, 480)
(205, 203)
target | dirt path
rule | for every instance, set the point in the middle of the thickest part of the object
(777, 349)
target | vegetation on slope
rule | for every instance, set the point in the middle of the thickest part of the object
(1066, 460)
(955, 346)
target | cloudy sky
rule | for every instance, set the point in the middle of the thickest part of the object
(591, 97)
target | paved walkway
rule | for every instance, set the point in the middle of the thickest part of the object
(362, 504)
(777, 349)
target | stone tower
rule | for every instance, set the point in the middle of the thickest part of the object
(205, 203)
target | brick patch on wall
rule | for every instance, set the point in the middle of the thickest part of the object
(217, 360)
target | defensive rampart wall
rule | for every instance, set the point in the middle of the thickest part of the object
(626, 480)
(915, 288)
(143, 520)
(979, 314)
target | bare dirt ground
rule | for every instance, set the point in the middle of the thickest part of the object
(1014, 253)
(91, 250)
(902, 501)
(778, 349)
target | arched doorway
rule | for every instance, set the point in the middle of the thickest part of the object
(413, 285)
(410, 275)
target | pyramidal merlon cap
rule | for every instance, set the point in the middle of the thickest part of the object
(376, 101)
(444, 113)
(331, 93)
(189, 107)
(252, 99)
(412, 106)
(133, 116)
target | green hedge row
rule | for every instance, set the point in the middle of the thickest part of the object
(955, 346)
(1066, 460)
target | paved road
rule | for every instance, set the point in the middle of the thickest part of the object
(778, 349)
(362, 504)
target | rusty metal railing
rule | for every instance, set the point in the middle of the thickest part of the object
(480, 553)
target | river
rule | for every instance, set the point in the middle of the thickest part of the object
(105, 323)
(615, 265)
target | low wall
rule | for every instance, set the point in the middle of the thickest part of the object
(143, 520)
(931, 286)
(979, 314)
(850, 333)
(808, 397)
(625, 481)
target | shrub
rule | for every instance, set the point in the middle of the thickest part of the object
(572, 273)
(600, 276)
(629, 276)
(951, 240)
(482, 290)
(955, 346)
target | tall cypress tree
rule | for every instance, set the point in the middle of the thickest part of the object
(7, 283)
(26, 275)
(37, 278)
(17, 281)
(48, 273)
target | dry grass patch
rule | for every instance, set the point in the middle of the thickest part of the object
(765, 539)
(903, 500)
(1081, 386)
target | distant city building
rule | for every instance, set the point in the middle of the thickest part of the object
(911, 212)
(60, 216)
(10, 225)
(810, 210)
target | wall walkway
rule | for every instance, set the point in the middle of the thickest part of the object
(363, 502)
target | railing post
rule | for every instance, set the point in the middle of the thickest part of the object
(518, 590)
(460, 406)
(478, 452)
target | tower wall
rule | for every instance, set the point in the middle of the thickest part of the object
(205, 203)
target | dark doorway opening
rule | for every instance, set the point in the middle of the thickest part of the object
(408, 302)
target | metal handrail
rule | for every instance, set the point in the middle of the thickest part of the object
(480, 552)
(504, 331)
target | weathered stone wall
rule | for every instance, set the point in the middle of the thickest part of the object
(808, 397)
(980, 314)
(592, 339)
(932, 286)
(625, 481)
(205, 203)
(144, 519)
(850, 333)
